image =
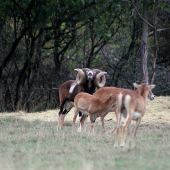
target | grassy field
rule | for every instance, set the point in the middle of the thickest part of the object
(30, 141)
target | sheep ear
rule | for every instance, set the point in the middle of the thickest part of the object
(152, 86)
(136, 85)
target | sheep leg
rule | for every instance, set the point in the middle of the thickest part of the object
(82, 123)
(128, 120)
(118, 117)
(59, 123)
(128, 134)
(62, 120)
(59, 119)
(92, 128)
(92, 120)
(65, 108)
(80, 117)
(111, 131)
(136, 128)
(102, 121)
(74, 118)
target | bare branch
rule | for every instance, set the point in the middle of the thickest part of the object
(158, 30)
(140, 15)
(114, 68)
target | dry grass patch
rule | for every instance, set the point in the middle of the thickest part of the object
(157, 111)
(30, 141)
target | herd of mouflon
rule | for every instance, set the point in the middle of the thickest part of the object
(90, 98)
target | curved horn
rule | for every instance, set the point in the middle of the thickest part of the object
(86, 69)
(103, 79)
(80, 78)
(96, 71)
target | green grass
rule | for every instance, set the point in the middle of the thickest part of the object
(37, 145)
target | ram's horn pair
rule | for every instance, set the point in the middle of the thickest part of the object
(96, 73)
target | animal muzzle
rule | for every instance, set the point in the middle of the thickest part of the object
(151, 98)
(90, 75)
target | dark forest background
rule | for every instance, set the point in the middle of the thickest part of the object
(43, 41)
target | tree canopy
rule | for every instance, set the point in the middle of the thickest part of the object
(43, 41)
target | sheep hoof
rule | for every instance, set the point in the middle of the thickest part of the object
(115, 146)
(122, 146)
(79, 129)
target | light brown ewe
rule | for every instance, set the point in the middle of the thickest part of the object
(131, 106)
(92, 106)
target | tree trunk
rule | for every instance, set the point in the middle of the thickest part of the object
(11, 52)
(37, 55)
(155, 43)
(56, 50)
(144, 47)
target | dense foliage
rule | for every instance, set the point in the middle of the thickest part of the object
(42, 41)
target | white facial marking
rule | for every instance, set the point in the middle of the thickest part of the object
(90, 75)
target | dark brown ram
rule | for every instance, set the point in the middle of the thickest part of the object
(87, 80)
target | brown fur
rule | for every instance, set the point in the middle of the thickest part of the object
(92, 106)
(65, 96)
(103, 94)
(132, 106)
(87, 80)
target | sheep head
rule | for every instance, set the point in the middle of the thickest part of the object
(89, 75)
